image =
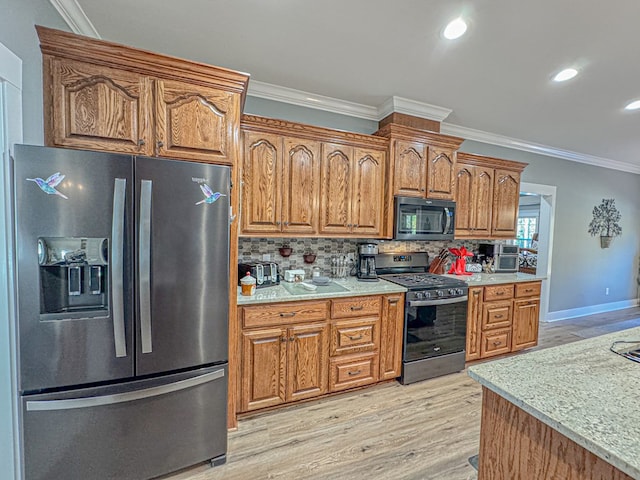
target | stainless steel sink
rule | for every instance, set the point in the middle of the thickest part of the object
(297, 289)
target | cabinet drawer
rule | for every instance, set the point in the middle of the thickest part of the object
(496, 315)
(353, 371)
(357, 335)
(495, 343)
(355, 307)
(498, 292)
(531, 289)
(285, 313)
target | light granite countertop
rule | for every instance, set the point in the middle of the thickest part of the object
(582, 390)
(480, 279)
(351, 287)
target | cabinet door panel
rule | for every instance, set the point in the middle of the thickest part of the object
(506, 192)
(464, 201)
(301, 186)
(263, 368)
(474, 323)
(410, 172)
(261, 176)
(99, 108)
(307, 371)
(335, 195)
(368, 191)
(526, 313)
(440, 173)
(195, 122)
(391, 336)
(482, 201)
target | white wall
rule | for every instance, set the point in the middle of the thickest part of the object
(10, 133)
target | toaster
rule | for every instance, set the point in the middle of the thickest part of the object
(265, 273)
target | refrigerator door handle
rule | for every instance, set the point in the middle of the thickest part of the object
(117, 265)
(85, 402)
(144, 266)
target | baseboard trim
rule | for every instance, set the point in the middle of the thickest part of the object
(590, 310)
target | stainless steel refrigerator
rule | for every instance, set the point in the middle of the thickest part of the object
(122, 283)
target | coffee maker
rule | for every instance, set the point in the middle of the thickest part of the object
(367, 262)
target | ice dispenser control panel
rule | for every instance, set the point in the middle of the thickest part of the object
(73, 276)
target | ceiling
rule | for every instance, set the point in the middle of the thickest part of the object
(496, 79)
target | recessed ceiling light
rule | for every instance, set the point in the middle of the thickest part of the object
(633, 105)
(566, 74)
(455, 29)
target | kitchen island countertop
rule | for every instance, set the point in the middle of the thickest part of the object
(352, 288)
(582, 390)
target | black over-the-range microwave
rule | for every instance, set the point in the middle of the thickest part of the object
(423, 219)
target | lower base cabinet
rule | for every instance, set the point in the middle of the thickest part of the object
(299, 350)
(502, 319)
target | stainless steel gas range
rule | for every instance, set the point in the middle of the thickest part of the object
(435, 318)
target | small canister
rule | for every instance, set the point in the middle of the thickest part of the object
(248, 285)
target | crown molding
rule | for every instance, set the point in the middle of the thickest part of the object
(412, 107)
(75, 17)
(311, 100)
(424, 110)
(525, 146)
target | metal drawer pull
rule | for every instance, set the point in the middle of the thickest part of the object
(291, 339)
(357, 372)
(499, 293)
(354, 307)
(496, 343)
(498, 316)
(290, 314)
(283, 339)
(529, 290)
(355, 338)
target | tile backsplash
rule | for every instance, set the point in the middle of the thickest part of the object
(324, 248)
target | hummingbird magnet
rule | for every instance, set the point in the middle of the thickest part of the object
(209, 194)
(49, 185)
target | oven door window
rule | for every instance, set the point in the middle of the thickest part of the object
(416, 219)
(431, 331)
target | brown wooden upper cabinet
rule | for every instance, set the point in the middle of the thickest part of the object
(304, 180)
(487, 193)
(422, 163)
(280, 186)
(352, 190)
(104, 96)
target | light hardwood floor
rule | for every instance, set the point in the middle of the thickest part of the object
(423, 431)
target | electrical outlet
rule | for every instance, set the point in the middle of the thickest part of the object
(606, 291)
(350, 256)
(266, 257)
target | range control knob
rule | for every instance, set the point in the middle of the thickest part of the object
(440, 293)
(452, 291)
(459, 291)
(419, 295)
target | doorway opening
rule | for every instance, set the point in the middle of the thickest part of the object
(546, 194)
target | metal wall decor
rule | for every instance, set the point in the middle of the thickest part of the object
(605, 222)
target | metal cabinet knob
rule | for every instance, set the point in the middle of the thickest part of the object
(141, 142)
(160, 144)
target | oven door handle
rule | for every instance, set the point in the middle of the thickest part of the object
(442, 301)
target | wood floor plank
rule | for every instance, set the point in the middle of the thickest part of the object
(424, 431)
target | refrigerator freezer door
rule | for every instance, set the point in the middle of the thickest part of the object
(74, 317)
(182, 228)
(131, 431)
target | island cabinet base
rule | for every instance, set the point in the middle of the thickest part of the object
(516, 445)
